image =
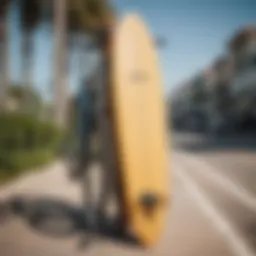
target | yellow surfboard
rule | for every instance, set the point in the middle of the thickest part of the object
(140, 135)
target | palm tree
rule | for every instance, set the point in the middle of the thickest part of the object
(4, 69)
(60, 61)
(30, 17)
(74, 16)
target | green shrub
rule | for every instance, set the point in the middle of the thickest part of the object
(26, 142)
(19, 132)
(18, 161)
(26, 99)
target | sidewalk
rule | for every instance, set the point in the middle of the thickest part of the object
(47, 181)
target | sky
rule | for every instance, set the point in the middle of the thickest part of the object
(197, 32)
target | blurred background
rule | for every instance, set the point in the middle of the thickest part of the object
(50, 49)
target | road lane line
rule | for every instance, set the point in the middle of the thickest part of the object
(235, 240)
(230, 186)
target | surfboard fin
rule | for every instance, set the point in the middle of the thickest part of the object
(149, 203)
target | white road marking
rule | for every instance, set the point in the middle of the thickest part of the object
(235, 240)
(210, 172)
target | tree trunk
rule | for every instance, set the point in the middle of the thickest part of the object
(60, 62)
(27, 53)
(4, 58)
(27, 67)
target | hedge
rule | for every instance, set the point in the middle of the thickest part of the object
(18, 162)
(26, 142)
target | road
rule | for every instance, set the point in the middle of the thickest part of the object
(212, 213)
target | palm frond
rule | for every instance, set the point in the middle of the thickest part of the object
(92, 14)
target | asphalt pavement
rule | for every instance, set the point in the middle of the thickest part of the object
(212, 210)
